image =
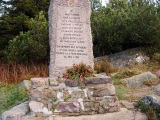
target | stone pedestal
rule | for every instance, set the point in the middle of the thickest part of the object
(95, 96)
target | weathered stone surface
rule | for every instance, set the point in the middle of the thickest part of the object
(61, 86)
(39, 82)
(42, 93)
(78, 94)
(156, 90)
(123, 114)
(71, 83)
(53, 82)
(69, 34)
(16, 113)
(60, 96)
(113, 109)
(37, 118)
(88, 106)
(72, 107)
(125, 58)
(140, 116)
(139, 80)
(104, 90)
(101, 110)
(36, 106)
(140, 59)
(98, 80)
(126, 104)
(25, 85)
(158, 74)
(152, 100)
(108, 102)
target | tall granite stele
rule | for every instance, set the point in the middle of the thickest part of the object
(70, 36)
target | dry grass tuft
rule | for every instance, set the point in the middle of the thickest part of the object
(104, 66)
(15, 73)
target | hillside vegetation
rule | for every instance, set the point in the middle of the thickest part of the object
(121, 25)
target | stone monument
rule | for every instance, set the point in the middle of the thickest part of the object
(70, 35)
(71, 43)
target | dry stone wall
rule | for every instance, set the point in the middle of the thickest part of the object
(90, 96)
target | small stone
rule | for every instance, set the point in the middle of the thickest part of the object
(113, 109)
(36, 106)
(73, 114)
(104, 90)
(71, 107)
(116, 103)
(88, 106)
(61, 86)
(108, 102)
(78, 94)
(41, 93)
(60, 96)
(90, 95)
(98, 80)
(53, 94)
(127, 104)
(46, 111)
(101, 110)
(25, 85)
(96, 106)
(53, 82)
(71, 83)
(38, 82)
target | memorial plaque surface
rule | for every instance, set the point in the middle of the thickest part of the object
(70, 35)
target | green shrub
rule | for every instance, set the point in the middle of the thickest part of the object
(78, 71)
(125, 24)
(31, 45)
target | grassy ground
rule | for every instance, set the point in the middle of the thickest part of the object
(129, 94)
(10, 96)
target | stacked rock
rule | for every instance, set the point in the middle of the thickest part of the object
(95, 95)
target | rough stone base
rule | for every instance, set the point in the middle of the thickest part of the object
(123, 114)
(73, 97)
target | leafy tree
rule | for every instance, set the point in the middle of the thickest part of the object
(31, 45)
(16, 18)
(125, 24)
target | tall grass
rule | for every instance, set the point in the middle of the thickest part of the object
(15, 73)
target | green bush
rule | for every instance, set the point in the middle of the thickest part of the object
(125, 24)
(31, 45)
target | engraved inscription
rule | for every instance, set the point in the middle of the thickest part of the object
(69, 34)
(71, 41)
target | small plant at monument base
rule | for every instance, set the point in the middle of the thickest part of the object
(78, 71)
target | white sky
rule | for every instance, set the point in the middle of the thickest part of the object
(104, 2)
